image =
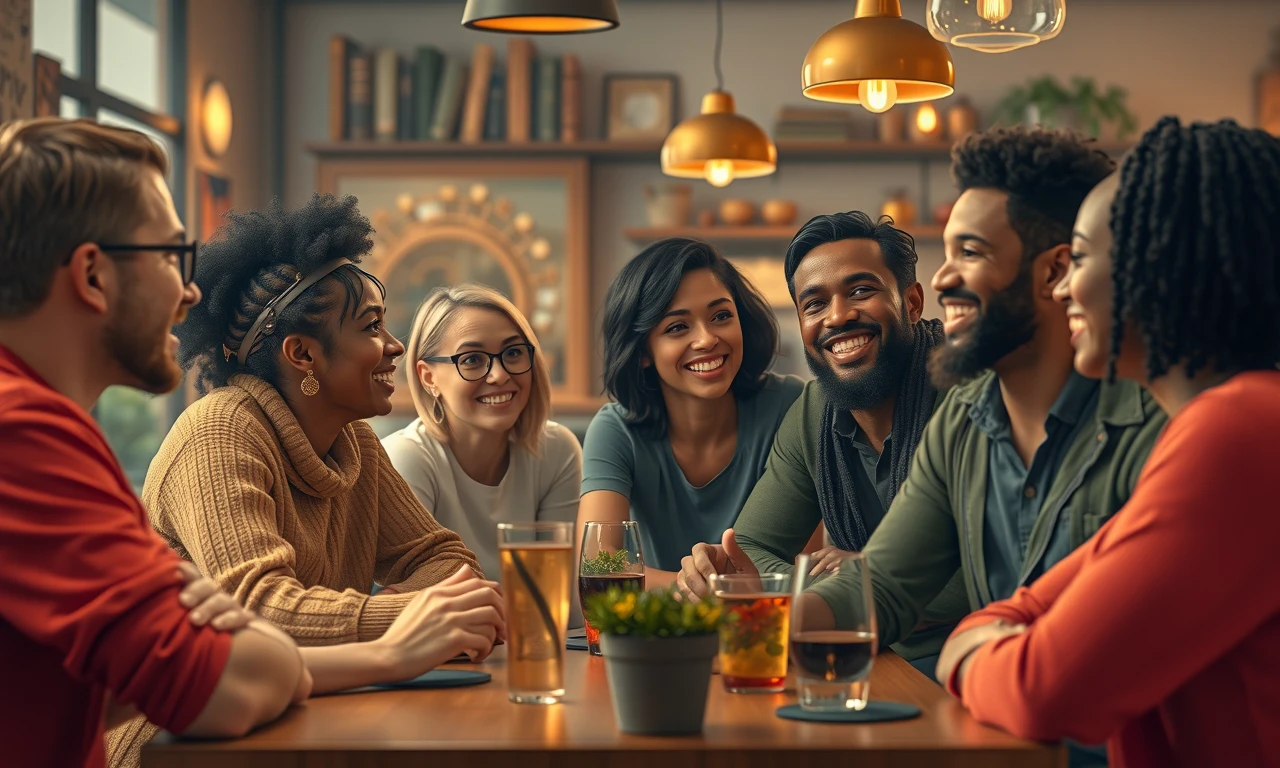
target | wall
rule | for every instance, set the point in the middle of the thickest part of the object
(228, 40)
(1187, 57)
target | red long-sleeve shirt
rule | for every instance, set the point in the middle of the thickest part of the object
(88, 592)
(1161, 634)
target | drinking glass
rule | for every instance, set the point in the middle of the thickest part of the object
(833, 667)
(611, 556)
(753, 633)
(537, 576)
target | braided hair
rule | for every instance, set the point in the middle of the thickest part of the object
(256, 256)
(1046, 174)
(1196, 238)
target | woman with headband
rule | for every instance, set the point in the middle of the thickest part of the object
(275, 487)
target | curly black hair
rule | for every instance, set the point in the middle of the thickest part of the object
(898, 247)
(634, 305)
(1196, 240)
(254, 257)
(1046, 173)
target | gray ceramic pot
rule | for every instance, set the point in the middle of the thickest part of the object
(659, 685)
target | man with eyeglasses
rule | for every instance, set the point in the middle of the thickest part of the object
(94, 618)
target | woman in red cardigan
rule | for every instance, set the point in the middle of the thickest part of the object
(1160, 634)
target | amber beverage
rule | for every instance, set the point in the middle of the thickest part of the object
(754, 632)
(537, 576)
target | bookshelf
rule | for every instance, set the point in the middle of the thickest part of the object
(759, 234)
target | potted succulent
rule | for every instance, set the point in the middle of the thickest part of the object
(1083, 106)
(658, 649)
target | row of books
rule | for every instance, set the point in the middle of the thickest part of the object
(432, 96)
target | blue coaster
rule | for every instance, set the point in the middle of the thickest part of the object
(576, 644)
(875, 712)
(437, 678)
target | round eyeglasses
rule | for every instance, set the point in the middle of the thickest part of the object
(474, 365)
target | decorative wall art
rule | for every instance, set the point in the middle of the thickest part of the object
(638, 107)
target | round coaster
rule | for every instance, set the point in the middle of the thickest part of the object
(440, 678)
(875, 712)
(576, 644)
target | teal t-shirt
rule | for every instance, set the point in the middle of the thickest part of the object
(673, 514)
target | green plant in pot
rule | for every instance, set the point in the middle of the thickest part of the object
(658, 649)
(1083, 106)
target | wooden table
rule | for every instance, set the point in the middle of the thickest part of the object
(477, 727)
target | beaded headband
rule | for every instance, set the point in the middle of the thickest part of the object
(266, 321)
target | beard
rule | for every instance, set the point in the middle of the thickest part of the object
(137, 342)
(1006, 322)
(851, 390)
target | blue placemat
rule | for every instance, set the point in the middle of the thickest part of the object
(874, 712)
(437, 678)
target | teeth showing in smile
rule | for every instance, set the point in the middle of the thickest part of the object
(845, 346)
(496, 399)
(1076, 324)
(957, 311)
(385, 378)
(702, 366)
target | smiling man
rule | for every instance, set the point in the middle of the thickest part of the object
(844, 448)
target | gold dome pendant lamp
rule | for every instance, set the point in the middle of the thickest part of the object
(718, 145)
(878, 59)
(540, 17)
(996, 26)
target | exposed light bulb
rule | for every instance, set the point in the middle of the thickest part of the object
(995, 11)
(926, 119)
(719, 173)
(877, 95)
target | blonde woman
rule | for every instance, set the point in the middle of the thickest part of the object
(482, 451)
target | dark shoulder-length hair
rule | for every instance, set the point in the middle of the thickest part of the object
(637, 300)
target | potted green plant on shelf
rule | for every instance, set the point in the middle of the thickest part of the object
(658, 649)
(1046, 102)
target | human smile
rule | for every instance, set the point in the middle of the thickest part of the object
(958, 315)
(708, 367)
(848, 348)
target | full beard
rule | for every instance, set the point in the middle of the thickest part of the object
(137, 344)
(871, 388)
(1007, 322)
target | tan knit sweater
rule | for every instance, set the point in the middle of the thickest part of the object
(238, 490)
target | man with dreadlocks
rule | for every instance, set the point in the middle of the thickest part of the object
(844, 448)
(1175, 284)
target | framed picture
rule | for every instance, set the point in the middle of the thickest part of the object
(48, 79)
(518, 226)
(213, 196)
(639, 106)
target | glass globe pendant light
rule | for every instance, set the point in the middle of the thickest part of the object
(996, 26)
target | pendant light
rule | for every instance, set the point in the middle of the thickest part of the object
(718, 145)
(877, 59)
(540, 17)
(996, 26)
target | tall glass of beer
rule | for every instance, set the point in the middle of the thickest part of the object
(537, 577)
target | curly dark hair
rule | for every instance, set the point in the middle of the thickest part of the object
(1196, 239)
(898, 247)
(1047, 175)
(255, 257)
(635, 304)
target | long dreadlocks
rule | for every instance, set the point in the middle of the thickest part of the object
(1196, 241)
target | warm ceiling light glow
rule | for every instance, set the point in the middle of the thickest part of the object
(995, 26)
(926, 119)
(540, 17)
(877, 95)
(215, 118)
(995, 11)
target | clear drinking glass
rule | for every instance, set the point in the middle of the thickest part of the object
(537, 576)
(611, 556)
(753, 634)
(833, 667)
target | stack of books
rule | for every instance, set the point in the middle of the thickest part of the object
(430, 96)
(812, 124)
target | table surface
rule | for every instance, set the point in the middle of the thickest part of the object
(478, 726)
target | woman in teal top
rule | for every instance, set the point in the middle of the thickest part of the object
(688, 343)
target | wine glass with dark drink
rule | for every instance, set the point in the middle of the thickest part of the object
(611, 557)
(833, 667)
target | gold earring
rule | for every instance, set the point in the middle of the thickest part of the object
(310, 387)
(437, 409)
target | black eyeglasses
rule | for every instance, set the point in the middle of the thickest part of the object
(186, 253)
(475, 365)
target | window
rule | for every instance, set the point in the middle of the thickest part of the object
(123, 62)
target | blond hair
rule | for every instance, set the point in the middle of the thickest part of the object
(431, 323)
(64, 183)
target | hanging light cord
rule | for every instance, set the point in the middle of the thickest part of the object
(719, 38)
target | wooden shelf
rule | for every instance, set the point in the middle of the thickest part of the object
(760, 233)
(639, 151)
